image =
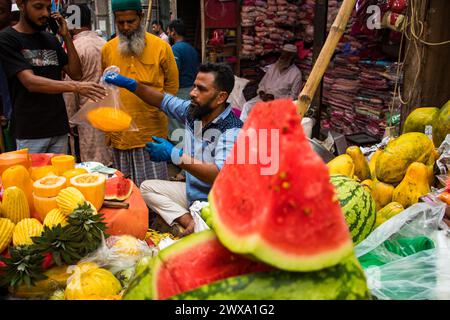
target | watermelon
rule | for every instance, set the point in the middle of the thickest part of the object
(191, 262)
(358, 206)
(287, 216)
(118, 188)
(345, 281)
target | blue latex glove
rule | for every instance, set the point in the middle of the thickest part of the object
(121, 81)
(163, 150)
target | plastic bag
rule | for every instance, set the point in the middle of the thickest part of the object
(118, 253)
(195, 209)
(108, 114)
(410, 256)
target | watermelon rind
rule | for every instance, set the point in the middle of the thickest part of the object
(357, 205)
(255, 246)
(345, 281)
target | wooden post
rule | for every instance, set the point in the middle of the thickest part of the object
(320, 32)
(336, 32)
(203, 30)
(426, 69)
(149, 14)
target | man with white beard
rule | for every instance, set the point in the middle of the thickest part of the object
(146, 58)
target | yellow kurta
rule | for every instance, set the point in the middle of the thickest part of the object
(157, 68)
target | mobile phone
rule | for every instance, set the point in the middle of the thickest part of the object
(54, 27)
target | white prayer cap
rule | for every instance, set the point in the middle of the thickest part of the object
(14, 7)
(290, 48)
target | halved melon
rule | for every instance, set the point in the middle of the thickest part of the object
(69, 174)
(44, 205)
(92, 186)
(49, 186)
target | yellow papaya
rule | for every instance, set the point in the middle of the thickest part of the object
(441, 126)
(362, 170)
(387, 212)
(419, 118)
(367, 184)
(342, 164)
(372, 163)
(400, 153)
(413, 186)
(381, 193)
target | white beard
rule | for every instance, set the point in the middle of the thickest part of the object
(134, 44)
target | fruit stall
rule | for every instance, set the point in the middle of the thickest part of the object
(340, 230)
(371, 223)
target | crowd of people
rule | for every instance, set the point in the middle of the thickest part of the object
(47, 76)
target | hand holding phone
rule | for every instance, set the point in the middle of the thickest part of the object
(60, 22)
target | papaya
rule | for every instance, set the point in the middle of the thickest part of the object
(400, 153)
(381, 193)
(372, 162)
(362, 170)
(442, 125)
(419, 118)
(367, 184)
(413, 186)
(387, 212)
(342, 164)
(11, 159)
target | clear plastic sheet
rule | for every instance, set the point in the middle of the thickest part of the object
(411, 256)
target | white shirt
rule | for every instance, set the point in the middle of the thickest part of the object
(164, 37)
(281, 84)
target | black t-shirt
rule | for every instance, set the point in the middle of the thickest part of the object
(35, 115)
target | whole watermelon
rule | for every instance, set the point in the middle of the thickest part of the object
(345, 281)
(358, 206)
(442, 125)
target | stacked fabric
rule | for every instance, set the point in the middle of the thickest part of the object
(265, 24)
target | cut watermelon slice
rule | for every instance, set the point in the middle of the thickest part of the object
(118, 188)
(190, 263)
(291, 219)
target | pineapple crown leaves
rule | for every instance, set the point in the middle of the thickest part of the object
(24, 266)
(60, 243)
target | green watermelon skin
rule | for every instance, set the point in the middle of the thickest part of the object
(345, 281)
(191, 262)
(358, 206)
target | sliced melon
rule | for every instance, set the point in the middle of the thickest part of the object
(63, 163)
(49, 186)
(69, 174)
(92, 186)
(290, 218)
(44, 205)
(41, 172)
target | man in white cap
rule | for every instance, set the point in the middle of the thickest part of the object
(282, 80)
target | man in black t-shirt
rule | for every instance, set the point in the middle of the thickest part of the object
(33, 61)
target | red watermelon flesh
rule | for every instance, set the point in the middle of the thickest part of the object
(41, 159)
(118, 188)
(290, 219)
(197, 260)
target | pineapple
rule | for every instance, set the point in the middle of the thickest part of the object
(23, 267)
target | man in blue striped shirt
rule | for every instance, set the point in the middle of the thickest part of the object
(210, 133)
